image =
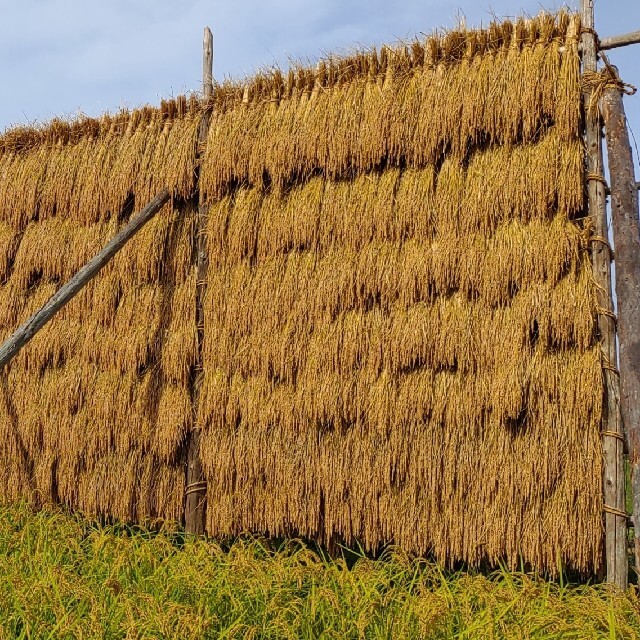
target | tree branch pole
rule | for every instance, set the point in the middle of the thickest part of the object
(196, 485)
(612, 443)
(26, 331)
(626, 234)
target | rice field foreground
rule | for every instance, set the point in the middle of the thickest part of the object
(65, 577)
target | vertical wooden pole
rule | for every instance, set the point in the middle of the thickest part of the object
(612, 442)
(207, 64)
(196, 486)
(626, 235)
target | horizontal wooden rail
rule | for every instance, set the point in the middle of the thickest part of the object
(60, 298)
(620, 41)
(614, 42)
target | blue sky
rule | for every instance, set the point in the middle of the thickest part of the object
(63, 57)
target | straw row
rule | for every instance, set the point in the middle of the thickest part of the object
(448, 334)
(413, 114)
(61, 132)
(95, 178)
(425, 461)
(389, 275)
(327, 399)
(440, 48)
(528, 183)
(98, 412)
(123, 343)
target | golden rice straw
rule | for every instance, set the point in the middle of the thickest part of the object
(504, 85)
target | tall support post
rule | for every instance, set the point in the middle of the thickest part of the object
(626, 234)
(196, 485)
(612, 438)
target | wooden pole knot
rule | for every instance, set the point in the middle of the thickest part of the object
(598, 177)
(609, 314)
(603, 241)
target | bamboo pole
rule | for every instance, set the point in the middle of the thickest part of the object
(196, 485)
(612, 442)
(626, 234)
(620, 41)
(60, 298)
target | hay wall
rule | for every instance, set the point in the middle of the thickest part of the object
(399, 342)
(93, 412)
(399, 339)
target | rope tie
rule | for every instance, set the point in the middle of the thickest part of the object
(600, 288)
(613, 434)
(615, 512)
(195, 487)
(591, 31)
(606, 364)
(605, 312)
(595, 83)
(610, 367)
(625, 87)
(603, 241)
(597, 177)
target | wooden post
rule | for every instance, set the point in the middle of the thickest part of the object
(612, 439)
(626, 235)
(68, 291)
(196, 486)
(207, 64)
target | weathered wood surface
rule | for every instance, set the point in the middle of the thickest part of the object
(59, 299)
(620, 41)
(626, 235)
(196, 486)
(207, 63)
(612, 445)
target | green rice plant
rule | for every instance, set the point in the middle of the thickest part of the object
(62, 576)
